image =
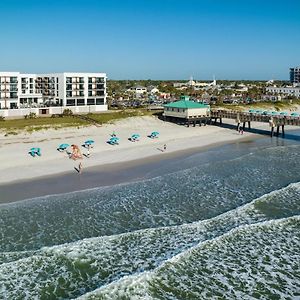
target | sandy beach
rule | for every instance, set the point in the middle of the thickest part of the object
(17, 164)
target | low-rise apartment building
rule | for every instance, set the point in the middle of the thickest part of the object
(288, 91)
(80, 92)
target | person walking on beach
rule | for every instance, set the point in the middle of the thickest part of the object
(80, 168)
(165, 147)
(88, 151)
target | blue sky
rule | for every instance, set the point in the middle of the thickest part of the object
(152, 39)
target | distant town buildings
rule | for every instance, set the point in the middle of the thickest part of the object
(292, 91)
(138, 90)
(194, 84)
(44, 93)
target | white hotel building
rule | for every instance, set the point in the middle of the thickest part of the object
(21, 94)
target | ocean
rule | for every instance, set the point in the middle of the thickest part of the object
(219, 224)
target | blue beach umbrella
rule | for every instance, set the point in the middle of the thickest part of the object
(63, 146)
(275, 113)
(114, 139)
(35, 151)
(283, 113)
(89, 142)
(252, 111)
(294, 114)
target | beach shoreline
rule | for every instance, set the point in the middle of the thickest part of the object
(23, 177)
(106, 175)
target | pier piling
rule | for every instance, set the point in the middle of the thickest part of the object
(272, 131)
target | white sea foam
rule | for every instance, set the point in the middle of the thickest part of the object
(223, 268)
(98, 261)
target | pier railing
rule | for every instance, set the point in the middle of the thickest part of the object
(242, 117)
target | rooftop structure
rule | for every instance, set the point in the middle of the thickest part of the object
(186, 111)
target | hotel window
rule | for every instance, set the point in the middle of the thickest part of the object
(81, 87)
(90, 80)
(30, 80)
(80, 102)
(69, 94)
(69, 87)
(13, 87)
(69, 80)
(71, 102)
(90, 86)
(90, 101)
(100, 86)
(13, 95)
(100, 93)
(99, 101)
(13, 105)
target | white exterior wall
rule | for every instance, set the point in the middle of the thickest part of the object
(30, 94)
(5, 88)
(195, 112)
(182, 113)
(290, 91)
(21, 112)
(59, 90)
(186, 113)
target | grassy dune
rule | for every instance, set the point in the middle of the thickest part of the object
(12, 127)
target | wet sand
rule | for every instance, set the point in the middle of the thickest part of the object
(99, 176)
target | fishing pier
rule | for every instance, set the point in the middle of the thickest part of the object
(274, 119)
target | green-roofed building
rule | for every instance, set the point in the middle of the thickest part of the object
(186, 111)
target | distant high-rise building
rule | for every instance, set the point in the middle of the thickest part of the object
(295, 75)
